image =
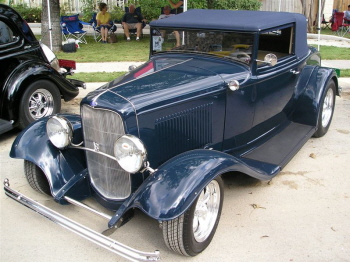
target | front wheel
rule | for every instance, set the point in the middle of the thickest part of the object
(327, 104)
(36, 178)
(192, 232)
(41, 98)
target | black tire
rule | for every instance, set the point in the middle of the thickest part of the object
(325, 115)
(36, 178)
(184, 236)
(41, 98)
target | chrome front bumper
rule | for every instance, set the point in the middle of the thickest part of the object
(95, 237)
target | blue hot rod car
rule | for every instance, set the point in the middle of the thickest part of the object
(242, 93)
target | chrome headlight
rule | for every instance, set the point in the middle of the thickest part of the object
(130, 153)
(59, 131)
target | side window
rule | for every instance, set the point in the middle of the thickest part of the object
(279, 42)
(6, 34)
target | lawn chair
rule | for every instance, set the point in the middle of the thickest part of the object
(340, 26)
(325, 23)
(97, 32)
(133, 31)
(72, 28)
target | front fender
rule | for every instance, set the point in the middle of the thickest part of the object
(61, 167)
(171, 190)
(27, 73)
(311, 87)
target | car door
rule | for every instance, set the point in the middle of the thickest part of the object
(276, 84)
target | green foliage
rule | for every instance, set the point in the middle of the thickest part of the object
(151, 8)
(30, 14)
(87, 9)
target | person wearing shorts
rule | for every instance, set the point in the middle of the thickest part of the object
(132, 20)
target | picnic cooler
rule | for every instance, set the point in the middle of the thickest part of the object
(69, 48)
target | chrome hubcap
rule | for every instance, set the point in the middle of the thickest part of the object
(40, 104)
(327, 107)
(206, 211)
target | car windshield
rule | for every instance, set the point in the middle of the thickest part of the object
(235, 45)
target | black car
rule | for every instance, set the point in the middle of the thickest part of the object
(32, 79)
(239, 95)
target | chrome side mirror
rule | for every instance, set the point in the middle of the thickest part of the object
(270, 59)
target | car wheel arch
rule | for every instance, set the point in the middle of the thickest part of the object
(169, 192)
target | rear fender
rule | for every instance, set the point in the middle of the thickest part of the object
(27, 73)
(64, 169)
(172, 188)
(315, 80)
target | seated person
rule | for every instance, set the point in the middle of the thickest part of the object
(103, 19)
(167, 14)
(347, 15)
(132, 20)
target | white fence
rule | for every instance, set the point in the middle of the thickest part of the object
(72, 6)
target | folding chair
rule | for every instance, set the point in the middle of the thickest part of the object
(341, 26)
(325, 23)
(97, 32)
(133, 31)
(72, 28)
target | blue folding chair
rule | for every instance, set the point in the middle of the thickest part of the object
(97, 32)
(72, 28)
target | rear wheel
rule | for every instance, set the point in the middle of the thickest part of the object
(36, 178)
(192, 232)
(327, 104)
(41, 98)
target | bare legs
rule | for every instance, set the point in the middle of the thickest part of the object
(104, 34)
(137, 26)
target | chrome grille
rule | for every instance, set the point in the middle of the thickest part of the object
(101, 129)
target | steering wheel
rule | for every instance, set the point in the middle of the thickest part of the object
(243, 56)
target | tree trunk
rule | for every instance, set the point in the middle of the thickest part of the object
(310, 10)
(56, 34)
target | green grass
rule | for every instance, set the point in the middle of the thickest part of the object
(344, 72)
(97, 77)
(330, 32)
(120, 51)
(334, 53)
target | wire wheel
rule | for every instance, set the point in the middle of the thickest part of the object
(40, 104)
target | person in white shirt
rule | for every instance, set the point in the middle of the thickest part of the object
(166, 11)
(347, 15)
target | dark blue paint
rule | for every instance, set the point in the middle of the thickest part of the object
(59, 166)
(168, 192)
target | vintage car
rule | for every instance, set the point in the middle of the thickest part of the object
(32, 79)
(240, 95)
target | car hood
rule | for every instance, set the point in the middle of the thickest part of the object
(164, 80)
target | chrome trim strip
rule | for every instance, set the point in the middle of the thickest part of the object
(109, 89)
(91, 150)
(87, 233)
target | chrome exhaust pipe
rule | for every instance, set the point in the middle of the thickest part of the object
(89, 234)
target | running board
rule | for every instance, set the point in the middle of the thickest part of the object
(89, 234)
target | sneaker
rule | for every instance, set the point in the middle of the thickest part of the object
(137, 39)
(128, 39)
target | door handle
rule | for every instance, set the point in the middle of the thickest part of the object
(295, 72)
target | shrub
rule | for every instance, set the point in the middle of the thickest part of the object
(30, 14)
